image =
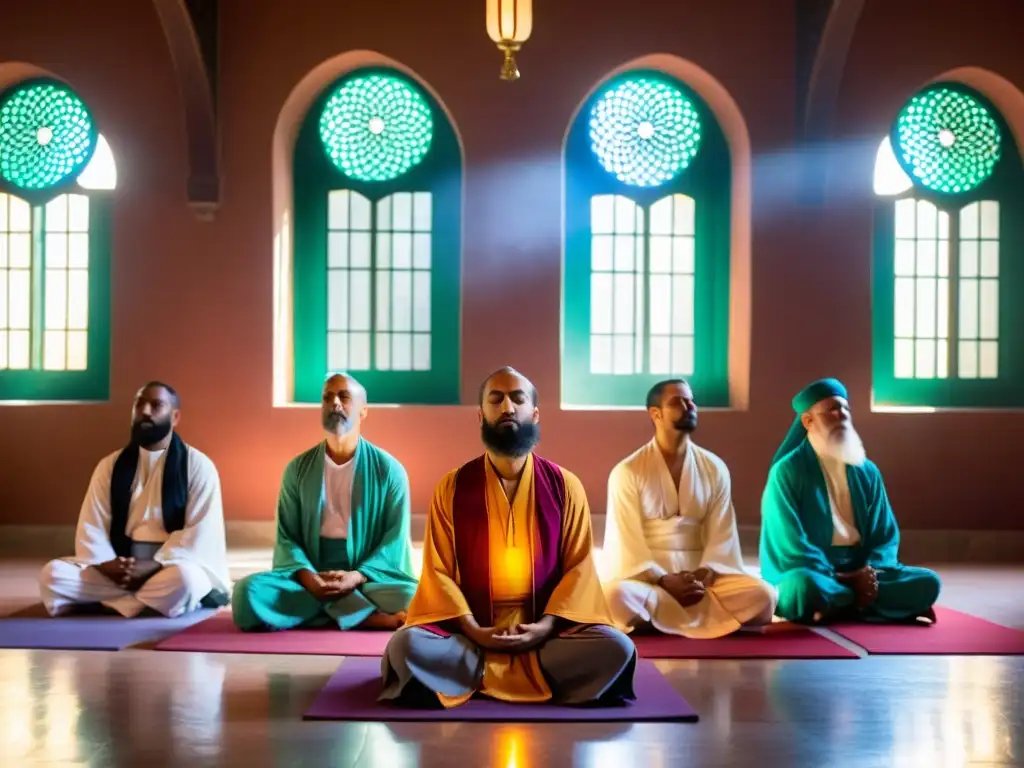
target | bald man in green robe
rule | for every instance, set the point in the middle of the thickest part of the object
(343, 550)
(829, 539)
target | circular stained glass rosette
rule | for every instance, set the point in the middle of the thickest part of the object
(376, 128)
(645, 132)
(947, 140)
(46, 135)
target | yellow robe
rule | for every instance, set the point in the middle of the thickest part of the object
(578, 597)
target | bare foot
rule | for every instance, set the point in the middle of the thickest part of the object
(928, 617)
(389, 621)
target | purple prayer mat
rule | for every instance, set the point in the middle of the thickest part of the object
(351, 694)
(32, 628)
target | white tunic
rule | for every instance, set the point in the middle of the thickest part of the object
(200, 543)
(844, 525)
(337, 498)
(654, 528)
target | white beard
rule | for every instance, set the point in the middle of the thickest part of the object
(846, 446)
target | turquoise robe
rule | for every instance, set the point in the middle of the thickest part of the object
(378, 546)
(798, 558)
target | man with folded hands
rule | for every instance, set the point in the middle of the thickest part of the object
(509, 604)
(343, 551)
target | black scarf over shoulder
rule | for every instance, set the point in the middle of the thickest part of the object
(174, 492)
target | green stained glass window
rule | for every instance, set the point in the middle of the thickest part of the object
(376, 281)
(946, 319)
(648, 222)
(947, 140)
(376, 127)
(46, 135)
(644, 131)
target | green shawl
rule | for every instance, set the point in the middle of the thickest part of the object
(379, 544)
(796, 517)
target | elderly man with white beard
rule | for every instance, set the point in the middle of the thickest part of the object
(829, 538)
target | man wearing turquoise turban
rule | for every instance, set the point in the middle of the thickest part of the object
(829, 539)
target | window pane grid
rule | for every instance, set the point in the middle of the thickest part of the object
(379, 282)
(403, 273)
(978, 305)
(642, 286)
(617, 285)
(15, 283)
(66, 283)
(349, 230)
(921, 311)
(672, 286)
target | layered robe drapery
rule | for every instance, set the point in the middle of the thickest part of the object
(199, 542)
(797, 533)
(378, 545)
(654, 527)
(508, 563)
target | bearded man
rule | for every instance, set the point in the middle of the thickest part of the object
(509, 604)
(343, 554)
(151, 528)
(670, 538)
(829, 538)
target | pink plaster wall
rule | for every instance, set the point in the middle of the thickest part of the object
(809, 272)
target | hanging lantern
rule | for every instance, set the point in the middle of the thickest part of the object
(509, 24)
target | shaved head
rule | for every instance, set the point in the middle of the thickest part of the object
(344, 382)
(503, 376)
(342, 405)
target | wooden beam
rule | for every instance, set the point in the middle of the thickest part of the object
(192, 32)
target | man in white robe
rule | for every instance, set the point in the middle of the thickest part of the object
(671, 544)
(151, 529)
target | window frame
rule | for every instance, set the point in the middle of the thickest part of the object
(1006, 187)
(708, 180)
(37, 384)
(314, 176)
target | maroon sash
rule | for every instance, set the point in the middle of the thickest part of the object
(472, 544)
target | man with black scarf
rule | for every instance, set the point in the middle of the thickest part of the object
(151, 529)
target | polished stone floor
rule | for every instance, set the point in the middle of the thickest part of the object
(145, 708)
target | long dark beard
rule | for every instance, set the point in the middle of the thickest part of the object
(506, 440)
(146, 436)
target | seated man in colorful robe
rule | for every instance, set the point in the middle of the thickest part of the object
(670, 540)
(343, 550)
(151, 529)
(829, 539)
(509, 604)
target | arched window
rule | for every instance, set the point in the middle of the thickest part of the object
(949, 241)
(56, 173)
(377, 191)
(647, 226)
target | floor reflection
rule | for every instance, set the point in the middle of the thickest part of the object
(150, 709)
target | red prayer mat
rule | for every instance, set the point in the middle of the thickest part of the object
(219, 634)
(781, 640)
(954, 633)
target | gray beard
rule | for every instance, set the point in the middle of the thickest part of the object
(337, 424)
(844, 446)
